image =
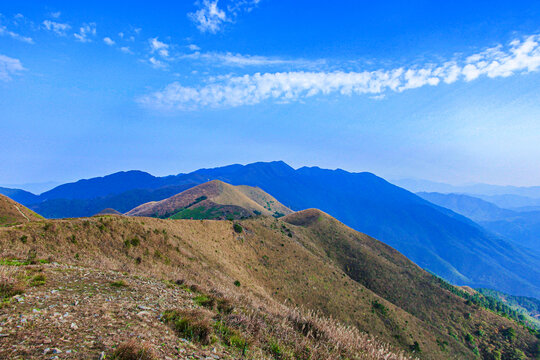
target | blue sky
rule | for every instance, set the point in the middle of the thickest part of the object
(446, 91)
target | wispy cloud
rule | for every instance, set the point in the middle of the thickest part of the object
(107, 40)
(86, 32)
(160, 47)
(5, 32)
(211, 18)
(55, 14)
(126, 50)
(240, 60)
(59, 28)
(9, 67)
(520, 56)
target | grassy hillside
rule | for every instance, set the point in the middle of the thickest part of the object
(265, 263)
(12, 213)
(214, 200)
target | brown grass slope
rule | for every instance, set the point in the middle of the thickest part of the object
(12, 213)
(246, 200)
(213, 256)
(392, 276)
(280, 266)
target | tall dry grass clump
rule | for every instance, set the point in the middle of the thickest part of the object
(132, 350)
(10, 285)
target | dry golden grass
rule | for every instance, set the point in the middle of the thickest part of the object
(132, 350)
(281, 267)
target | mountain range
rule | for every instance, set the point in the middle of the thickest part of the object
(520, 227)
(437, 239)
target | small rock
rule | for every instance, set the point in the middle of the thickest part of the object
(46, 351)
(143, 313)
(56, 351)
(74, 326)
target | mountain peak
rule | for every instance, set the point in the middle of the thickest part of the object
(214, 200)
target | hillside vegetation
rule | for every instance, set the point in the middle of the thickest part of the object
(262, 270)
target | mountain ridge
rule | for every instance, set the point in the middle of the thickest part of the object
(435, 238)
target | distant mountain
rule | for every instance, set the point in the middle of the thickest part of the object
(418, 185)
(469, 206)
(522, 228)
(103, 186)
(12, 213)
(436, 238)
(20, 196)
(513, 202)
(214, 200)
(35, 188)
(123, 202)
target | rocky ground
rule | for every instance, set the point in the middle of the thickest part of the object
(69, 312)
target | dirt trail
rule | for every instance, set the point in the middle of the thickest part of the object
(26, 217)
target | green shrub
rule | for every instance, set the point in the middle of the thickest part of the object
(274, 349)
(379, 307)
(237, 283)
(415, 347)
(24, 239)
(205, 301)
(135, 241)
(119, 284)
(37, 280)
(469, 338)
(509, 334)
(191, 324)
(238, 228)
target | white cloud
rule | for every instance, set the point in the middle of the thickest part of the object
(126, 50)
(8, 67)
(520, 56)
(55, 14)
(193, 47)
(85, 32)
(107, 40)
(58, 28)
(210, 17)
(157, 64)
(5, 32)
(159, 47)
